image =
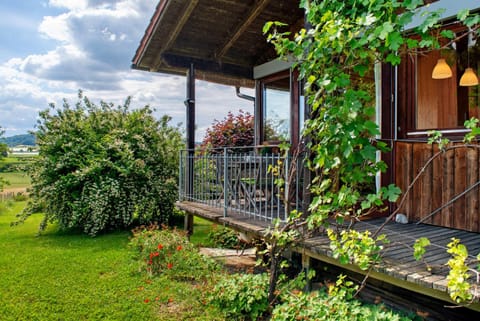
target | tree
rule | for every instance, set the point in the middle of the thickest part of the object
(103, 167)
(3, 153)
(233, 131)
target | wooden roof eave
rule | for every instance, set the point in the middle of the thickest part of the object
(232, 53)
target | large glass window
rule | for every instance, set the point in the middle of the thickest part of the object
(443, 103)
(276, 104)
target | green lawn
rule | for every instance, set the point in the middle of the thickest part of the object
(201, 228)
(60, 276)
(16, 179)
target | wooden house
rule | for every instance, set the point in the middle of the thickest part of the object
(221, 41)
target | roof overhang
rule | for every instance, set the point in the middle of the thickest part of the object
(222, 38)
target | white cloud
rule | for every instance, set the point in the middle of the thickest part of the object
(69, 4)
(95, 42)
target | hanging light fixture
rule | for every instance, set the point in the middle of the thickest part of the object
(441, 70)
(469, 78)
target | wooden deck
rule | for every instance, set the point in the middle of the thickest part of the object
(399, 266)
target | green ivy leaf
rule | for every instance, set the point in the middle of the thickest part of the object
(393, 58)
(447, 34)
(394, 40)
(391, 192)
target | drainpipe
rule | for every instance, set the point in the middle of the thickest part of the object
(243, 96)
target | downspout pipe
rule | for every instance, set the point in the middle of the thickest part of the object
(243, 96)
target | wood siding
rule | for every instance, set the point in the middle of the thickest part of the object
(449, 175)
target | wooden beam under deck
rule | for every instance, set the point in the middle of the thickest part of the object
(399, 268)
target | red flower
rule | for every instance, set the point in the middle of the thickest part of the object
(146, 300)
(160, 246)
(156, 254)
(179, 248)
(169, 265)
(150, 262)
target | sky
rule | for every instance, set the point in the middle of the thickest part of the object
(50, 49)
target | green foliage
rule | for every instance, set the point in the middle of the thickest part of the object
(419, 248)
(223, 237)
(3, 153)
(168, 252)
(335, 59)
(336, 305)
(355, 247)
(104, 167)
(436, 137)
(16, 164)
(241, 296)
(458, 276)
(471, 124)
(233, 131)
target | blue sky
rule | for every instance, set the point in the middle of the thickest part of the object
(52, 48)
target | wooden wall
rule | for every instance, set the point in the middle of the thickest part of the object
(447, 176)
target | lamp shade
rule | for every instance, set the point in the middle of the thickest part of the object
(441, 70)
(469, 78)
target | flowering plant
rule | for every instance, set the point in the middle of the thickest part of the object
(168, 251)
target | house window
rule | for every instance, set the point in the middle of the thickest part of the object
(443, 103)
(276, 109)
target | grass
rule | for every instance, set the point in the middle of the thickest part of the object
(201, 229)
(68, 276)
(16, 179)
(13, 170)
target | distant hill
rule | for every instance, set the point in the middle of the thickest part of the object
(25, 139)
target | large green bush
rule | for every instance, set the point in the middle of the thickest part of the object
(104, 167)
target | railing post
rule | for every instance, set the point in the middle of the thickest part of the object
(286, 188)
(181, 178)
(225, 182)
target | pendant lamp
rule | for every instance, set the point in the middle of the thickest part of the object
(441, 70)
(469, 78)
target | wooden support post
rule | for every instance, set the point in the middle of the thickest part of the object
(190, 105)
(188, 224)
(306, 266)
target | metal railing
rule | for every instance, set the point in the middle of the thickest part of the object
(251, 181)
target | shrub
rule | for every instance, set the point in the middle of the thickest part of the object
(168, 251)
(103, 167)
(241, 296)
(232, 131)
(223, 237)
(20, 197)
(3, 153)
(336, 305)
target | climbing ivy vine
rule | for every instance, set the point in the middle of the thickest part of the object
(336, 58)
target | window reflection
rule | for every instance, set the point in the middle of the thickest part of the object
(276, 98)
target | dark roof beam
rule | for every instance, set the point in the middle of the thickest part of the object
(241, 27)
(187, 11)
(208, 66)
